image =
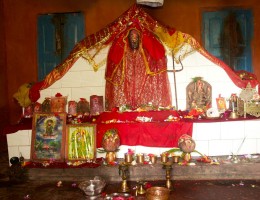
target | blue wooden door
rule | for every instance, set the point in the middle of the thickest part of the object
(57, 35)
(227, 35)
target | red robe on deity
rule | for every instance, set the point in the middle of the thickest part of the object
(137, 77)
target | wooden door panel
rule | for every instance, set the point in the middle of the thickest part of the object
(227, 35)
(47, 56)
(74, 31)
(57, 36)
(214, 44)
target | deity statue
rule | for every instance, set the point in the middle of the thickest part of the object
(199, 94)
(136, 71)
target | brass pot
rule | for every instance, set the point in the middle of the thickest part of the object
(110, 156)
(157, 193)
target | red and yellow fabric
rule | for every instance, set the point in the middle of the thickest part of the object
(136, 77)
(183, 44)
(179, 43)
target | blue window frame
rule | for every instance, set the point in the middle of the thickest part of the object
(227, 35)
(57, 35)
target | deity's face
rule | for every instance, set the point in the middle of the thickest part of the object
(133, 38)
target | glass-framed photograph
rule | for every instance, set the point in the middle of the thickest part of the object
(80, 142)
(48, 136)
(221, 104)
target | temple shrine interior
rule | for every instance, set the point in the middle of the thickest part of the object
(139, 84)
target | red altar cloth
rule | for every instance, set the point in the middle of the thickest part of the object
(157, 116)
(150, 134)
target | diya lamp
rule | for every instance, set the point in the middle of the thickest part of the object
(175, 158)
(128, 158)
(168, 168)
(124, 173)
(152, 158)
(164, 157)
(140, 158)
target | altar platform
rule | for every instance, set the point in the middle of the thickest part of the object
(218, 137)
(244, 168)
(247, 168)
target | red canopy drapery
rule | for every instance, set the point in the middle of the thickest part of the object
(177, 40)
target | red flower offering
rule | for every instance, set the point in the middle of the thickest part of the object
(204, 159)
(58, 95)
(130, 151)
(147, 185)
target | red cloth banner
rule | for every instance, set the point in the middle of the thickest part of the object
(150, 134)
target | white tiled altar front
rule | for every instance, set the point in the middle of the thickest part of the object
(212, 139)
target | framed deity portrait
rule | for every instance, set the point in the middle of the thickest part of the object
(221, 104)
(80, 142)
(48, 136)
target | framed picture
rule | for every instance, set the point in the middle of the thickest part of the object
(48, 136)
(80, 142)
(221, 104)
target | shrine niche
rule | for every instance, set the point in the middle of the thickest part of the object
(198, 94)
(150, 127)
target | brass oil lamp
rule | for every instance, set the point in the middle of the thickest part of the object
(124, 173)
(168, 168)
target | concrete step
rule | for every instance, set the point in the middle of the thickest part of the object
(153, 172)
